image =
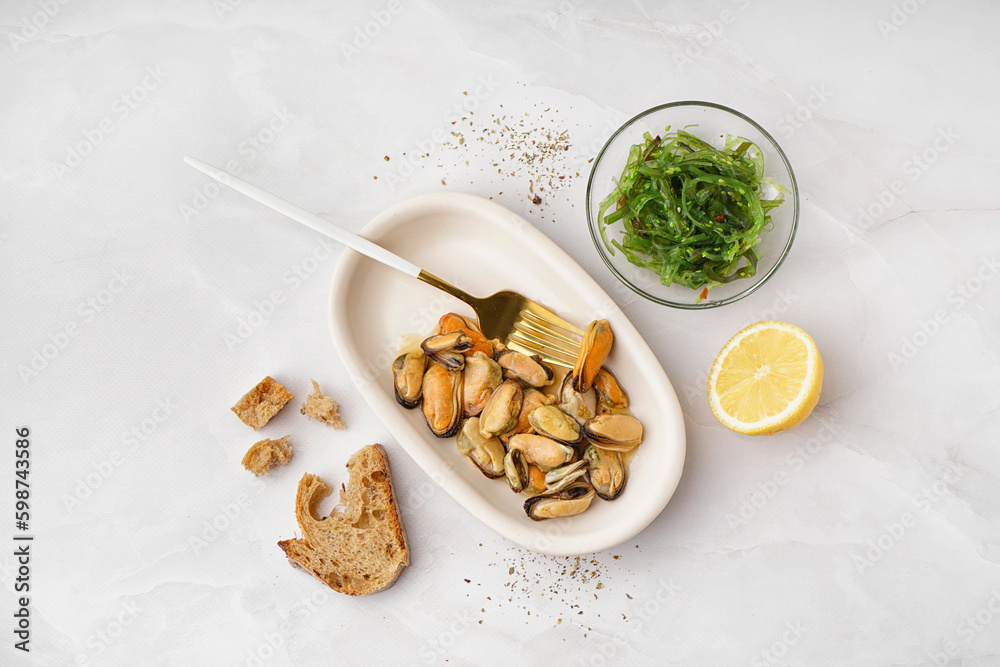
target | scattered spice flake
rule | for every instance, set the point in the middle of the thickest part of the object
(385, 157)
(532, 149)
(538, 200)
(467, 581)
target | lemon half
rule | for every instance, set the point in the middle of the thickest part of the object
(766, 379)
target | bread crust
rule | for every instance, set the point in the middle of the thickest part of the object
(361, 548)
(265, 400)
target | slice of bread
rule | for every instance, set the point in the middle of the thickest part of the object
(360, 548)
(264, 455)
(322, 408)
(262, 402)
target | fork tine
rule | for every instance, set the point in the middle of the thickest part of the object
(526, 338)
(537, 311)
(533, 327)
(547, 354)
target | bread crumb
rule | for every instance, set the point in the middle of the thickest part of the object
(264, 455)
(322, 408)
(262, 402)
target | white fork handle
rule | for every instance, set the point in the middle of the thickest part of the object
(350, 239)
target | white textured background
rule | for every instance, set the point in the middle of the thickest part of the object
(139, 303)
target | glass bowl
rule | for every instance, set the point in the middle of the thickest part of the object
(712, 123)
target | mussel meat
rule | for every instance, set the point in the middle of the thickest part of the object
(610, 394)
(516, 469)
(606, 471)
(481, 377)
(408, 377)
(545, 453)
(552, 422)
(530, 370)
(564, 476)
(617, 432)
(486, 453)
(454, 322)
(500, 413)
(581, 406)
(594, 349)
(442, 404)
(569, 501)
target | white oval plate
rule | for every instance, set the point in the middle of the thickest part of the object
(482, 248)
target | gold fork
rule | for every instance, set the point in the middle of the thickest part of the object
(522, 324)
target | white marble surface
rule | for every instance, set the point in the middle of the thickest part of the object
(140, 303)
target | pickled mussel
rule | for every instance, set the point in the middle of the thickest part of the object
(408, 378)
(606, 471)
(486, 453)
(450, 322)
(516, 469)
(610, 394)
(579, 405)
(500, 413)
(480, 379)
(545, 453)
(552, 422)
(594, 349)
(565, 476)
(442, 400)
(447, 349)
(617, 432)
(530, 370)
(568, 502)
